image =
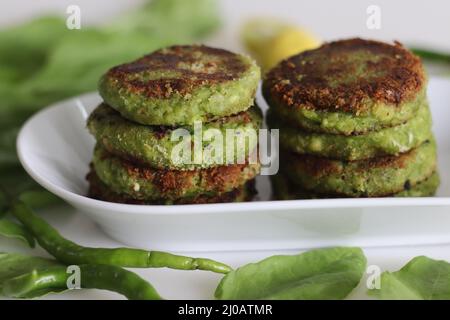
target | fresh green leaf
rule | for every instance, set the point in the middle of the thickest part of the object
(420, 279)
(83, 56)
(15, 180)
(193, 19)
(14, 266)
(26, 286)
(37, 199)
(23, 49)
(11, 229)
(3, 204)
(318, 274)
(42, 62)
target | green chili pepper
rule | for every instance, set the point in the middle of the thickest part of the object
(69, 252)
(54, 279)
(432, 55)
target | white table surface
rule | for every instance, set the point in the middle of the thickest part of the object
(424, 22)
(175, 284)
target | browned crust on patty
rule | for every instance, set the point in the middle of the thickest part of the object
(319, 167)
(318, 79)
(194, 66)
(218, 178)
(292, 188)
(98, 190)
(160, 131)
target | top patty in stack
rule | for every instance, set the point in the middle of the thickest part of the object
(181, 84)
(347, 87)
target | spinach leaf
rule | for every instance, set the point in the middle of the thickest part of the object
(11, 229)
(330, 273)
(420, 279)
(13, 266)
(37, 199)
(188, 20)
(42, 61)
(23, 48)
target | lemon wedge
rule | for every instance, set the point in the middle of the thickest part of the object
(269, 41)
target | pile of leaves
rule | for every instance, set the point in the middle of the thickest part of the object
(43, 61)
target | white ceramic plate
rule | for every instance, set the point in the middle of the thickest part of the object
(55, 148)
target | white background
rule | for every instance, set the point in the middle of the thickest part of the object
(411, 21)
(420, 22)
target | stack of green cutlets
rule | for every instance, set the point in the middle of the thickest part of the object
(151, 128)
(354, 121)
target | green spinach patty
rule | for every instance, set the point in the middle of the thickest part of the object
(145, 183)
(98, 190)
(152, 145)
(181, 84)
(283, 189)
(364, 178)
(347, 87)
(388, 141)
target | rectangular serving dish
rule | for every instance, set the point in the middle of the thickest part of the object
(55, 148)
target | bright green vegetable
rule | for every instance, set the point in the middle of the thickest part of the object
(11, 229)
(42, 62)
(318, 274)
(54, 279)
(14, 264)
(69, 252)
(37, 199)
(171, 19)
(420, 279)
(3, 204)
(31, 39)
(30, 277)
(432, 55)
(14, 181)
(36, 283)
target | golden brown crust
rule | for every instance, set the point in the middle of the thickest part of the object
(98, 190)
(330, 77)
(160, 131)
(216, 178)
(291, 190)
(189, 66)
(319, 167)
(221, 178)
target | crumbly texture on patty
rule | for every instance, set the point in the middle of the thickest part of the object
(388, 141)
(181, 84)
(349, 86)
(343, 75)
(284, 189)
(365, 178)
(98, 190)
(141, 182)
(155, 147)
